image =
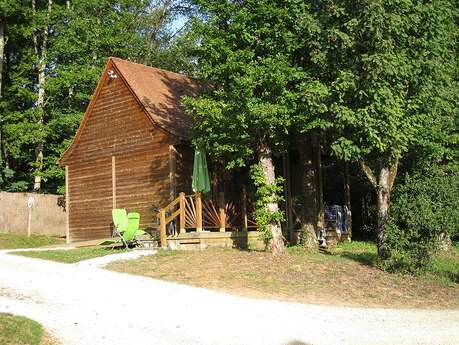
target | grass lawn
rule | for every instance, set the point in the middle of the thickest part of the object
(18, 330)
(13, 241)
(446, 266)
(344, 276)
(70, 255)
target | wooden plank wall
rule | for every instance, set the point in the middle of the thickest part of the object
(90, 194)
(116, 126)
(184, 168)
(141, 181)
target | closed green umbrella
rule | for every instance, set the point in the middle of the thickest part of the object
(200, 182)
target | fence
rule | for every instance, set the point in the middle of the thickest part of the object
(44, 217)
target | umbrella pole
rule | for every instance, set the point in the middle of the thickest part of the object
(198, 199)
(222, 213)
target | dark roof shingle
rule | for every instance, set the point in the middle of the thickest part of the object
(160, 92)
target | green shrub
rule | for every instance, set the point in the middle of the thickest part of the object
(425, 208)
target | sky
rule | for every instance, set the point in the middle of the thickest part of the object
(178, 23)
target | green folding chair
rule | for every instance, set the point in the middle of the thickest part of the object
(126, 228)
(129, 236)
(120, 224)
(120, 220)
(133, 225)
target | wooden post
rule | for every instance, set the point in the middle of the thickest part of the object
(198, 211)
(182, 212)
(221, 207)
(113, 182)
(162, 228)
(67, 206)
(244, 209)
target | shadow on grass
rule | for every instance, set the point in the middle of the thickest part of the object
(367, 259)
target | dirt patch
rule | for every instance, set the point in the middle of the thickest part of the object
(311, 278)
(48, 339)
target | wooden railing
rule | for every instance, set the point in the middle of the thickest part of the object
(195, 213)
(164, 221)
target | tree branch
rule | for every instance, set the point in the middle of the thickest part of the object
(369, 173)
(393, 173)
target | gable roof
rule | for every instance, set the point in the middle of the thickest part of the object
(158, 92)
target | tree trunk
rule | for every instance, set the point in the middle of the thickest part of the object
(309, 194)
(347, 198)
(383, 186)
(2, 49)
(288, 195)
(41, 54)
(266, 162)
(444, 242)
(320, 183)
(383, 195)
(40, 111)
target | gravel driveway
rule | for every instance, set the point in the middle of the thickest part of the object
(86, 305)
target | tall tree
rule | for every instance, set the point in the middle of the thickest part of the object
(389, 68)
(40, 33)
(2, 50)
(2, 53)
(245, 53)
(8, 10)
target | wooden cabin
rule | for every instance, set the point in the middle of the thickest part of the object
(131, 150)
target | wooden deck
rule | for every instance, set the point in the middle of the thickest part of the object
(210, 239)
(193, 215)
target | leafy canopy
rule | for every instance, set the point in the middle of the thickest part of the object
(388, 66)
(246, 56)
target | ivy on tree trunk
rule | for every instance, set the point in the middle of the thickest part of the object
(266, 163)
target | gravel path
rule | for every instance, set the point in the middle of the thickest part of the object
(82, 304)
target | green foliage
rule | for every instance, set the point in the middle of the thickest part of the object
(426, 207)
(245, 54)
(389, 68)
(81, 38)
(266, 194)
